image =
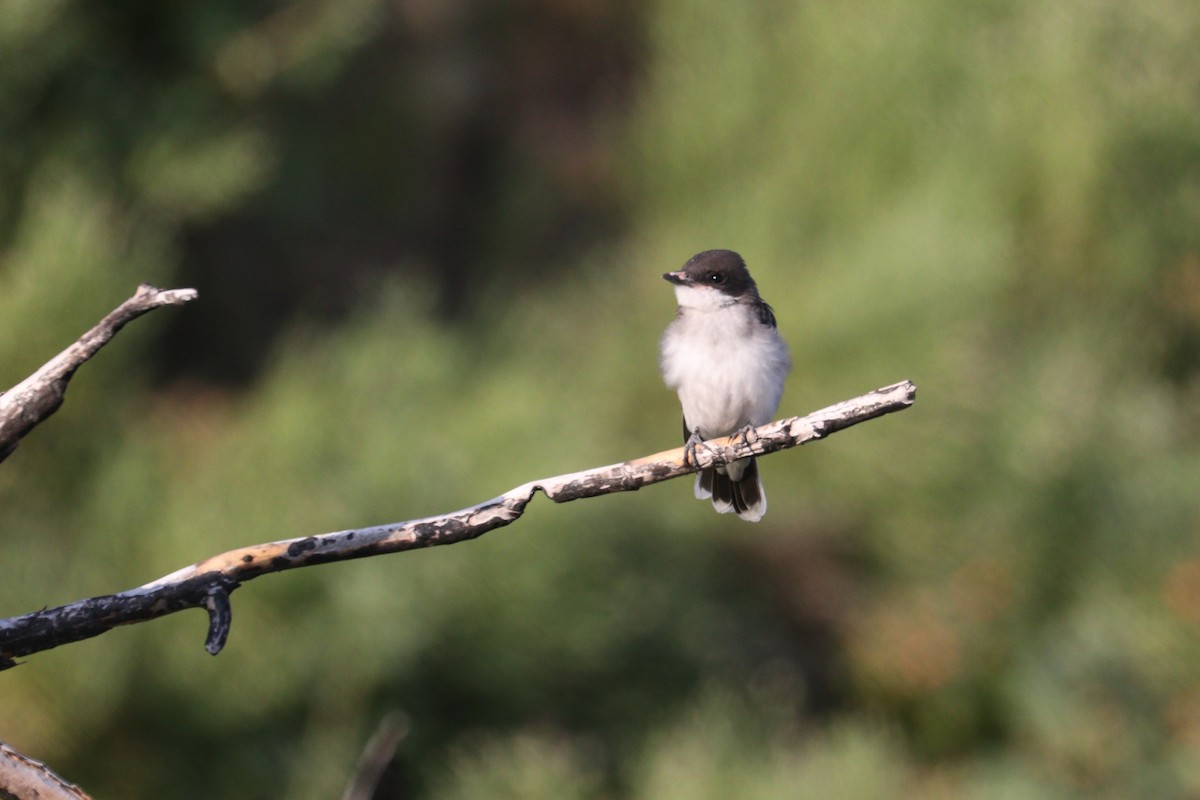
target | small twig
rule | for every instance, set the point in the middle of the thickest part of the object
(220, 618)
(37, 397)
(377, 756)
(209, 582)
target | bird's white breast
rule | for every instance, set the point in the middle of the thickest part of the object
(726, 365)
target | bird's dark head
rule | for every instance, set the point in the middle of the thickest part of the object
(721, 271)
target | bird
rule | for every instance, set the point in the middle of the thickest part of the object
(724, 357)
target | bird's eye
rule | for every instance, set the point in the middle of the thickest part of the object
(716, 277)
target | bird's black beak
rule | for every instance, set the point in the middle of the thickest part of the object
(677, 278)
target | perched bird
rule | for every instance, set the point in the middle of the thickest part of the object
(724, 357)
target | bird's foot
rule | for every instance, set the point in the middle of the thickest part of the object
(691, 446)
(748, 435)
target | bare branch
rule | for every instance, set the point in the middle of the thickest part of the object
(23, 777)
(207, 584)
(37, 397)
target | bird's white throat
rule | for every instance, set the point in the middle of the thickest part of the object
(701, 298)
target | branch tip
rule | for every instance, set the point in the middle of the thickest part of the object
(34, 399)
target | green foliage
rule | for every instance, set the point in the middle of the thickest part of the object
(994, 594)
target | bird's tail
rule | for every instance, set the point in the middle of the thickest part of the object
(737, 489)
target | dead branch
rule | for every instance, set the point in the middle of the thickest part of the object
(37, 397)
(208, 584)
(23, 777)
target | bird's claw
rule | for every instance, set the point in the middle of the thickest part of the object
(690, 447)
(746, 433)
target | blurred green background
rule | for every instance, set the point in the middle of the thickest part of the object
(427, 237)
